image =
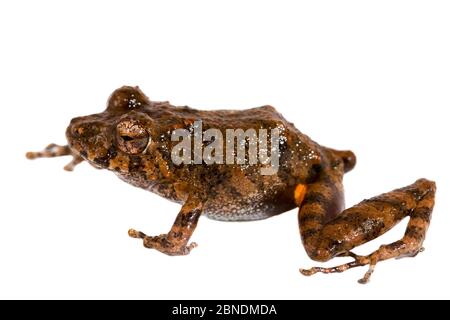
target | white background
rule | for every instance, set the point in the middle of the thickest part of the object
(371, 76)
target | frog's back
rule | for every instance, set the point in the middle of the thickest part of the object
(255, 118)
(241, 192)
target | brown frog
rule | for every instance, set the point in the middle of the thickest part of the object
(132, 138)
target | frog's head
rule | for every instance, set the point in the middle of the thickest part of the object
(113, 138)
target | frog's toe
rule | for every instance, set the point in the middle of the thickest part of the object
(72, 164)
(358, 262)
(51, 151)
(136, 234)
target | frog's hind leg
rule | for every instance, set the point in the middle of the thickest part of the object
(366, 221)
(54, 150)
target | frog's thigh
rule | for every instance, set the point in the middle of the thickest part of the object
(366, 221)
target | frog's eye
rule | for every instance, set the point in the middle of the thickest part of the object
(132, 137)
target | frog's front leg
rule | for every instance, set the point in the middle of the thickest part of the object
(325, 239)
(175, 242)
(54, 150)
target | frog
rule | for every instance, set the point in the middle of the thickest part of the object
(132, 138)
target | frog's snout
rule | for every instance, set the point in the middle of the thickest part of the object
(85, 136)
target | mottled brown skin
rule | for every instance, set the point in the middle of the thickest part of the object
(132, 138)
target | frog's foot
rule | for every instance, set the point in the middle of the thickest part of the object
(358, 261)
(54, 150)
(383, 253)
(165, 243)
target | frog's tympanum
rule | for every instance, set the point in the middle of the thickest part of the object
(132, 138)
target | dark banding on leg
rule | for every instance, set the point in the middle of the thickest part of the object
(175, 242)
(322, 202)
(370, 219)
